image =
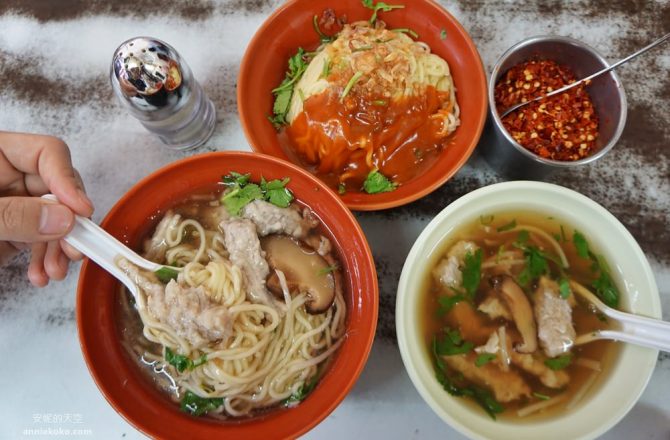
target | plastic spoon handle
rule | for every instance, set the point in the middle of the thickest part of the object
(590, 77)
(98, 245)
(635, 329)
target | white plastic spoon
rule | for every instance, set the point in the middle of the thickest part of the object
(639, 330)
(98, 245)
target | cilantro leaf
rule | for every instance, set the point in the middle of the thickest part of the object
(181, 362)
(472, 272)
(541, 396)
(581, 244)
(443, 34)
(341, 188)
(452, 344)
(297, 64)
(379, 6)
(275, 192)
(523, 237)
(484, 358)
(302, 392)
(485, 219)
(446, 303)
(326, 270)
(376, 182)
(237, 198)
(450, 384)
(197, 406)
(564, 288)
(508, 226)
(235, 178)
(165, 274)
(559, 363)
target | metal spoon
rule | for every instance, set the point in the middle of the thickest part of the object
(638, 330)
(588, 78)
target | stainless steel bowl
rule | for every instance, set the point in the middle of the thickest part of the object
(506, 155)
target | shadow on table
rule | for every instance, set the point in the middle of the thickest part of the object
(643, 421)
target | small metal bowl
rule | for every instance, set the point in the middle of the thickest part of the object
(506, 155)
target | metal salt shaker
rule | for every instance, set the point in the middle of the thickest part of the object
(156, 85)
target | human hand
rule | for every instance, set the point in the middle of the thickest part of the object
(32, 165)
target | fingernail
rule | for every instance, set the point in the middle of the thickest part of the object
(84, 198)
(55, 219)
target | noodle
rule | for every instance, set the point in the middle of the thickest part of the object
(268, 358)
(385, 99)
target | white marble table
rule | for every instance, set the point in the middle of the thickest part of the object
(54, 59)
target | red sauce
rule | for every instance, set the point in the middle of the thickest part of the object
(341, 142)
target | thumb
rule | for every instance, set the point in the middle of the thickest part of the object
(31, 219)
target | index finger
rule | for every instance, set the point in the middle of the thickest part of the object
(49, 158)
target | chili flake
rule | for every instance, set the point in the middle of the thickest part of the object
(563, 127)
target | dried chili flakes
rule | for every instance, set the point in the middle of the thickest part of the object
(563, 127)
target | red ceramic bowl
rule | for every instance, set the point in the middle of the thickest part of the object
(120, 380)
(265, 62)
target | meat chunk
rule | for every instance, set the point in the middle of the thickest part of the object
(188, 310)
(245, 251)
(554, 319)
(448, 271)
(156, 246)
(506, 386)
(494, 308)
(271, 219)
(536, 367)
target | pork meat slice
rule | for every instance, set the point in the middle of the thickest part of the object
(271, 219)
(554, 319)
(187, 310)
(156, 246)
(245, 251)
(506, 386)
(448, 270)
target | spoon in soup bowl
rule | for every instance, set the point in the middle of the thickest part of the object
(639, 330)
(105, 250)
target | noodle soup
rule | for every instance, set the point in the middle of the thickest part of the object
(250, 307)
(502, 315)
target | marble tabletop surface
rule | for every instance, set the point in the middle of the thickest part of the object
(54, 59)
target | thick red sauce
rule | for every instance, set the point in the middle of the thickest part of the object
(341, 142)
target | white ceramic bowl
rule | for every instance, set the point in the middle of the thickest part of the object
(619, 389)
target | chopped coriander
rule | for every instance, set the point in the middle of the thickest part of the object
(355, 77)
(581, 244)
(472, 271)
(297, 64)
(380, 102)
(165, 274)
(237, 198)
(236, 179)
(507, 227)
(559, 363)
(181, 362)
(541, 396)
(484, 358)
(197, 406)
(443, 34)
(327, 270)
(446, 303)
(523, 237)
(341, 188)
(451, 385)
(379, 6)
(485, 219)
(501, 249)
(275, 192)
(563, 236)
(302, 392)
(564, 288)
(376, 182)
(452, 344)
(536, 265)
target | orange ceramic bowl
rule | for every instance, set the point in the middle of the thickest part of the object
(118, 377)
(265, 63)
